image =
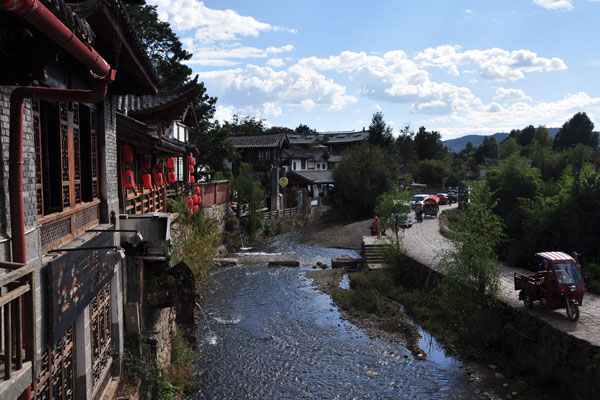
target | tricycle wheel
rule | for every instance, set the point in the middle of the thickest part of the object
(528, 301)
(572, 310)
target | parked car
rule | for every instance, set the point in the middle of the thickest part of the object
(417, 198)
(443, 198)
(405, 220)
(452, 196)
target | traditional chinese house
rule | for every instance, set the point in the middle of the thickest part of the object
(265, 154)
(61, 64)
(153, 150)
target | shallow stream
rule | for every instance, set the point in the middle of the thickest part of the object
(269, 334)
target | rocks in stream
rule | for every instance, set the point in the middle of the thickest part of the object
(319, 264)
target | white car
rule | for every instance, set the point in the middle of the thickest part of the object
(406, 219)
(417, 198)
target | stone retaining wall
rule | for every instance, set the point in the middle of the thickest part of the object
(552, 358)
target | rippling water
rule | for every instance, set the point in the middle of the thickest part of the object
(271, 335)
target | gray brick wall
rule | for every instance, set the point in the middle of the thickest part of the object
(108, 159)
(29, 194)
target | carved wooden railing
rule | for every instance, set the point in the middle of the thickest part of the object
(17, 319)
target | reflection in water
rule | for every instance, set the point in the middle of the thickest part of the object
(276, 337)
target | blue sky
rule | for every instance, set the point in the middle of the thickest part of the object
(458, 67)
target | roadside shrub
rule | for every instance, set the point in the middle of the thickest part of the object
(591, 274)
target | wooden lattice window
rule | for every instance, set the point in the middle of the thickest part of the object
(101, 331)
(68, 130)
(57, 370)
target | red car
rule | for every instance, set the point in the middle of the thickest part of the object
(443, 198)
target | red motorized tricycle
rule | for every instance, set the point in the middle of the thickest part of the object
(558, 284)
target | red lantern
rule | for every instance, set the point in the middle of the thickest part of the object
(190, 203)
(127, 154)
(171, 162)
(191, 169)
(172, 177)
(158, 178)
(199, 199)
(128, 181)
(147, 181)
(196, 208)
(197, 190)
(192, 179)
(146, 163)
(195, 198)
(191, 160)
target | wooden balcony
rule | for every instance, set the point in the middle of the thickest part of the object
(17, 326)
(60, 228)
(142, 201)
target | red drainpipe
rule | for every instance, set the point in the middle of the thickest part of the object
(39, 16)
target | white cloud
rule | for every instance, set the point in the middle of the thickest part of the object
(468, 11)
(396, 78)
(275, 62)
(298, 86)
(271, 110)
(495, 117)
(211, 25)
(503, 94)
(493, 64)
(224, 113)
(555, 4)
(377, 108)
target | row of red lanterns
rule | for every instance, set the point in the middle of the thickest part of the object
(128, 177)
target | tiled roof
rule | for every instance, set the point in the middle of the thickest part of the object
(258, 141)
(333, 159)
(329, 137)
(313, 177)
(288, 153)
(135, 105)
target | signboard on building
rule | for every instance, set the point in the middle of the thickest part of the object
(75, 279)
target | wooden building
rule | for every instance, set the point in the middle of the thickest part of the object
(264, 153)
(61, 64)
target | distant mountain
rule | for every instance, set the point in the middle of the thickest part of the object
(456, 145)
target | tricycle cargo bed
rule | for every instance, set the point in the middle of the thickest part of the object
(523, 282)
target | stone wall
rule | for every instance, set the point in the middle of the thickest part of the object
(217, 212)
(556, 360)
(163, 328)
(109, 171)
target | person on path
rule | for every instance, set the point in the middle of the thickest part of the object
(377, 226)
(576, 256)
(419, 213)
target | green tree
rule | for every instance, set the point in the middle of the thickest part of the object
(379, 133)
(162, 45)
(579, 129)
(431, 172)
(472, 279)
(488, 149)
(404, 150)
(304, 130)
(428, 145)
(244, 125)
(508, 147)
(360, 178)
(248, 191)
(393, 209)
